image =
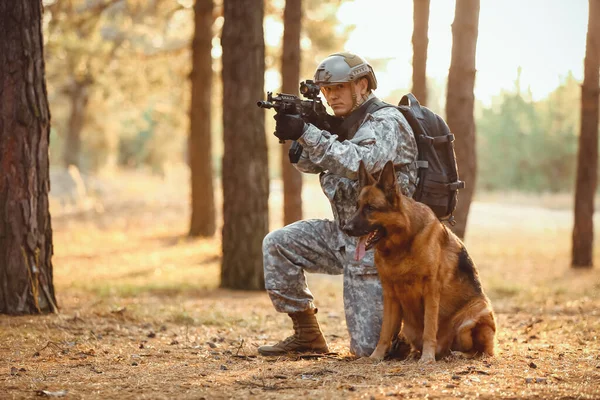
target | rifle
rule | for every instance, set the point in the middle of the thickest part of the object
(310, 110)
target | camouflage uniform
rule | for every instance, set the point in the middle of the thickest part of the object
(319, 245)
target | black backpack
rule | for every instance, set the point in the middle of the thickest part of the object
(437, 176)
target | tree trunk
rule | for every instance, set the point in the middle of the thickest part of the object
(202, 193)
(290, 76)
(420, 42)
(460, 102)
(26, 284)
(587, 159)
(78, 97)
(245, 164)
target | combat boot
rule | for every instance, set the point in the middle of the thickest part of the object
(307, 337)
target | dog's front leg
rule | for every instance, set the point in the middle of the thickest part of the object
(390, 326)
(432, 307)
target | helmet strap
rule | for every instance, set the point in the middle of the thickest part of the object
(357, 101)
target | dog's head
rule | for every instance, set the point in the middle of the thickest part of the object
(379, 209)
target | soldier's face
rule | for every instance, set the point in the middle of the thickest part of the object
(339, 96)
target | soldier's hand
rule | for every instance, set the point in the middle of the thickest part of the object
(288, 126)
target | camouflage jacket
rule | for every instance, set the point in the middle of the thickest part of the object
(382, 136)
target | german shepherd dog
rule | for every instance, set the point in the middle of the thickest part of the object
(431, 287)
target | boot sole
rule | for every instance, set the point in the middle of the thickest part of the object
(282, 353)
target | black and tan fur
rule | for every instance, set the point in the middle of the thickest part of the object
(431, 288)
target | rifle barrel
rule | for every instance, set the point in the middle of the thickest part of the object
(265, 104)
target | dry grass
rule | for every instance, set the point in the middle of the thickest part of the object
(141, 316)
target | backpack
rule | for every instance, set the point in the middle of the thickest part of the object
(437, 176)
(437, 172)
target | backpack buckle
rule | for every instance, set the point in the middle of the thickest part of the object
(448, 219)
(456, 185)
(451, 220)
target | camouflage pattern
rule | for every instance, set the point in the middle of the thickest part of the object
(320, 246)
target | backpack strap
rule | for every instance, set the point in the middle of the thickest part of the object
(369, 107)
(436, 140)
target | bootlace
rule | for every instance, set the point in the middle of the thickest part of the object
(289, 340)
(294, 337)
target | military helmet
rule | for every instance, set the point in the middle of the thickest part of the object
(344, 67)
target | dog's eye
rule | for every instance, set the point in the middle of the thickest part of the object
(369, 208)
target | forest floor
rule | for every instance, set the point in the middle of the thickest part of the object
(141, 315)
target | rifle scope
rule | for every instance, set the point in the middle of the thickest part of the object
(309, 89)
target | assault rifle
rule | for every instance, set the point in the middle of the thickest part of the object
(311, 110)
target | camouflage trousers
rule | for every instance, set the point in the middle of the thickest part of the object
(319, 246)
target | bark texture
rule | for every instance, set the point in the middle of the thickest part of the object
(290, 75)
(460, 102)
(420, 42)
(26, 284)
(587, 158)
(245, 164)
(202, 222)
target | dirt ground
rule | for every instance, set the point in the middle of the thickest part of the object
(141, 316)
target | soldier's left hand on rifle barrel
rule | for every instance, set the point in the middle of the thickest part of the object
(288, 126)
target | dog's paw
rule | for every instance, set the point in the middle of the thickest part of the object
(414, 355)
(427, 359)
(377, 356)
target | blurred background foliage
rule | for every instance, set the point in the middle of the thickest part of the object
(530, 145)
(117, 75)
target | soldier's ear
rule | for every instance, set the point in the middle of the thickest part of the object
(364, 178)
(387, 182)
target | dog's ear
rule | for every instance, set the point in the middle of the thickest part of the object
(364, 178)
(387, 182)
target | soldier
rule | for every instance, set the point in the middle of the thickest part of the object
(369, 133)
